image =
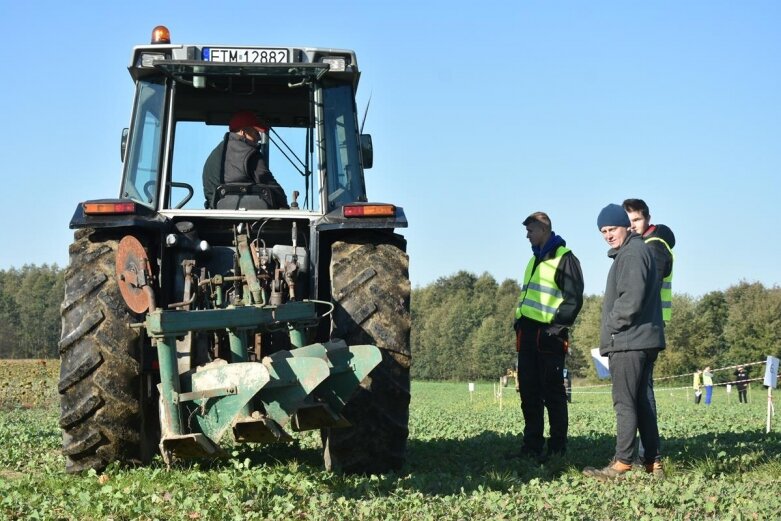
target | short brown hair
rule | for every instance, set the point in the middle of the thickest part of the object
(637, 205)
(540, 218)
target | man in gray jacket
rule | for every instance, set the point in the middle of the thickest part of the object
(631, 336)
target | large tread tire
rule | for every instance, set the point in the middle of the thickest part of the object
(99, 352)
(371, 290)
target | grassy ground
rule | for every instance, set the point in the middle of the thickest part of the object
(720, 464)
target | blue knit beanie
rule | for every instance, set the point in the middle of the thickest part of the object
(612, 215)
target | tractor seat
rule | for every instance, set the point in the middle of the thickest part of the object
(243, 196)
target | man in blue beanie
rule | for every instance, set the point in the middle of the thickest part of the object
(550, 299)
(631, 336)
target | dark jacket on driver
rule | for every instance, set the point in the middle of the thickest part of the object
(236, 161)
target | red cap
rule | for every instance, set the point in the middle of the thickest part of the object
(245, 119)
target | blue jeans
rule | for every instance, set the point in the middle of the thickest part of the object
(708, 394)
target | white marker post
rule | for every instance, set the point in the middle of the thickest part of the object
(471, 390)
(771, 380)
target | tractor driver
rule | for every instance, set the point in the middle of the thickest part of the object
(238, 159)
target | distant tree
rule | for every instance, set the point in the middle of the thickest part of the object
(462, 319)
(462, 327)
(753, 328)
(681, 336)
(584, 336)
(29, 311)
(708, 340)
(422, 337)
(492, 351)
(38, 301)
(9, 316)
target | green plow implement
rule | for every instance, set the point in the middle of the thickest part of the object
(304, 388)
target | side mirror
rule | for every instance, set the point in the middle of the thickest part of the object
(367, 151)
(123, 144)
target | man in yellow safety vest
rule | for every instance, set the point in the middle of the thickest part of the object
(662, 241)
(550, 300)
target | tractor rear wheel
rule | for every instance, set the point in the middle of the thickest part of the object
(371, 290)
(100, 410)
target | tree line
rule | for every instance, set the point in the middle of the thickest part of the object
(462, 325)
(462, 329)
(30, 300)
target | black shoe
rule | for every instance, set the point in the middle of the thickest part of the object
(555, 453)
(525, 452)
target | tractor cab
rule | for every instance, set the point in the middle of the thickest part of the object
(186, 96)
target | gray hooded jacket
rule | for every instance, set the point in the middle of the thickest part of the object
(632, 308)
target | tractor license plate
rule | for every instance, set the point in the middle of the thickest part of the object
(239, 55)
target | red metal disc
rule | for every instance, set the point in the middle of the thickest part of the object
(133, 273)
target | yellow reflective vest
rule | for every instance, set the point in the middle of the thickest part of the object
(540, 295)
(667, 284)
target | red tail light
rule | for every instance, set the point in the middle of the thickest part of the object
(109, 208)
(369, 210)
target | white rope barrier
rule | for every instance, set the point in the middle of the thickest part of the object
(713, 370)
(598, 386)
(771, 363)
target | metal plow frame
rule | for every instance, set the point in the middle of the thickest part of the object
(304, 388)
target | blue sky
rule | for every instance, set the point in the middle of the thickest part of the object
(481, 113)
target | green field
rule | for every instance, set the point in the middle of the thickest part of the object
(719, 461)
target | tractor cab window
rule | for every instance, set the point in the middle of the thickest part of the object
(282, 148)
(345, 175)
(143, 158)
(201, 114)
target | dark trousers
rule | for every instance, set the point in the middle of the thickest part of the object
(742, 398)
(541, 381)
(634, 403)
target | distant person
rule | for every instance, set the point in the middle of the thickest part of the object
(697, 385)
(662, 241)
(631, 336)
(550, 300)
(741, 382)
(707, 382)
(238, 160)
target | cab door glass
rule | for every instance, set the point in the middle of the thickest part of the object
(142, 167)
(345, 175)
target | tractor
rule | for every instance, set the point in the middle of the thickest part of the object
(189, 325)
